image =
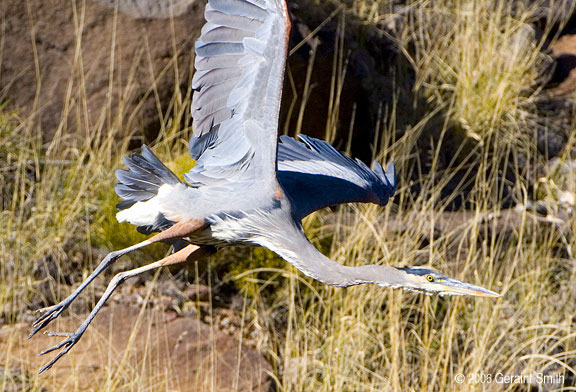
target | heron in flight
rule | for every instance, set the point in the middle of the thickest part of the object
(247, 187)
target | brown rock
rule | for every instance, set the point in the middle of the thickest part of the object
(198, 292)
(132, 349)
(100, 70)
(564, 77)
(150, 8)
(112, 67)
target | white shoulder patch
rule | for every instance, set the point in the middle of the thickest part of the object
(145, 213)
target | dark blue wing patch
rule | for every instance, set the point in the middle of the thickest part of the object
(315, 175)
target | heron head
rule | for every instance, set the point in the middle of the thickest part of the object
(433, 282)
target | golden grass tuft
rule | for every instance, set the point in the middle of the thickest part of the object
(480, 60)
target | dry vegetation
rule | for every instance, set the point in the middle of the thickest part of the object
(478, 64)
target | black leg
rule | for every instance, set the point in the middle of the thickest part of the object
(191, 252)
(52, 312)
(178, 230)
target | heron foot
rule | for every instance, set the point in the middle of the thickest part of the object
(52, 313)
(71, 339)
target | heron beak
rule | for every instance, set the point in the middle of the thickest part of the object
(455, 287)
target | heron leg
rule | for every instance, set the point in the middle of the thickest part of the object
(189, 253)
(178, 230)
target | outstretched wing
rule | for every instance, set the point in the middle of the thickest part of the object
(240, 59)
(315, 175)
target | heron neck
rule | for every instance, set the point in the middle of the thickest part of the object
(294, 247)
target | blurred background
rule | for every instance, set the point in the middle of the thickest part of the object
(472, 99)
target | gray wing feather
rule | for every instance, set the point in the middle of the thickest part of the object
(240, 59)
(219, 48)
(214, 76)
(207, 122)
(208, 63)
(214, 92)
(219, 19)
(212, 107)
(315, 175)
(130, 193)
(225, 34)
(244, 8)
(145, 175)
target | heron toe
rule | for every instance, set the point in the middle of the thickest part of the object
(53, 312)
(71, 339)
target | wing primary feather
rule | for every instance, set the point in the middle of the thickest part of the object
(240, 60)
(391, 174)
(314, 168)
(212, 49)
(214, 76)
(225, 34)
(217, 18)
(212, 93)
(207, 123)
(224, 61)
(132, 193)
(166, 174)
(239, 7)
(200, 143)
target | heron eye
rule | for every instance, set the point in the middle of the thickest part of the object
(429, 278)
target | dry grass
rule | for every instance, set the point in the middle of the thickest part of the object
(476, 62)
(480, 60)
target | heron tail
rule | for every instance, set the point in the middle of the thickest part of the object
(145, 175)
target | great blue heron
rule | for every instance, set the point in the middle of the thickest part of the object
(246, 188)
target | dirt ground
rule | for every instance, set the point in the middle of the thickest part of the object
(127, 341)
